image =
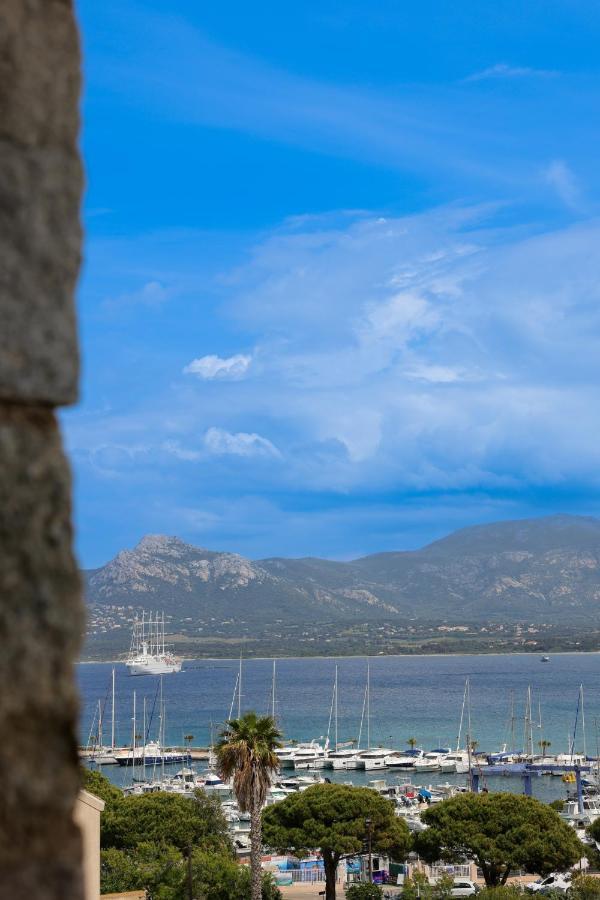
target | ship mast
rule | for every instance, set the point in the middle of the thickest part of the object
(112, 717)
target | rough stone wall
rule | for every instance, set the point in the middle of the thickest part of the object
(40, 605)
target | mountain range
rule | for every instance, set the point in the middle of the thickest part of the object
(535, 570)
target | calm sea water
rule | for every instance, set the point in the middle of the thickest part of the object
(418, 697)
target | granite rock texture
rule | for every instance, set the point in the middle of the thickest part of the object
(40, 623)
(40, 189)
(41, 614)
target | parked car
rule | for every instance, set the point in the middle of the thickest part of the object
(463, 887)
(556, 881)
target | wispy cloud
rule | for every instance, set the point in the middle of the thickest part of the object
(223, 443)
(564, 181)
(429, 128)
(152, 294)
(230, 368)
(503, 70)
(407, 356)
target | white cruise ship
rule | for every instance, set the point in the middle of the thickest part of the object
(147, 654)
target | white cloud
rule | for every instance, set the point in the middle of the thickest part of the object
(175, 449)
(424, 353)
(153, 294)
(436, 374)
(231, 368)
(564, 181)
(222, 443)
(503, 70)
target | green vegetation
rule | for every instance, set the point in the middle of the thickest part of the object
(169, 845)
(100, 786)
(501, 892)
(335, 819)
(364, 892)
(501, 832)
(420, 888)
(156, 867)
(166, 818)
(246, 753)
(584, 887)
(594, 830)
(219, 878)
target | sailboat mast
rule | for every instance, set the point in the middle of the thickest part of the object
(100, 741)
(112, 715)
(235, 687)
(336, 707)
(530, 721)
(512, 721)
(469, 746)
(133, 740)
(583, 722)
(362, 719)
(144, 739)
(462, 713)
(273, 692)
(240, 689)
(368, 705)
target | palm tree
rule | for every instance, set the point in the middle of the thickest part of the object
(246, 753)
(543, 745)
(412, 743)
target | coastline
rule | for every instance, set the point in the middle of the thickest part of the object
(533, 653)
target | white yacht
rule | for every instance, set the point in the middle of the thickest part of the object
(457, 761)
(148, 654)
(404, 759)
(432, 761)
(336, 758)
(373, 759)
(294, 756)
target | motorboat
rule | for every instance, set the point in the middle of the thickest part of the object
(335, 758)
(457, 761)
(373, 759)
(404, 759)
(432, 761)
(295, 755)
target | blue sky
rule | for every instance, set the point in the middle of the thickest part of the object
(341, 283)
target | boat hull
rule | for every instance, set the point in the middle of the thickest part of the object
(153, 760)
(153, 667)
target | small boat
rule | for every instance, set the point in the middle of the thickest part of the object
(545, 659)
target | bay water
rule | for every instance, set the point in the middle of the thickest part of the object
(417, 697)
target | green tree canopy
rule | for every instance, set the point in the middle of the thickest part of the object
(215, 877)
(99, 785)
(501, 832)
(332, 818)
(163, 818)
(594, 830)
(157, 868)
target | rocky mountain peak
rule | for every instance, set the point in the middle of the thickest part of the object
(163, 544)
